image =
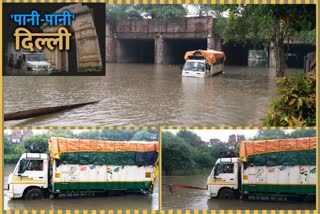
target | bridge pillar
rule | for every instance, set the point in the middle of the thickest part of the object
(214, 43)
(210, 42)
(110, 43)
(159, 49)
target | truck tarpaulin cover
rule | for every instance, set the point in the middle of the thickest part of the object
(300, 151)
(209, 55)
(75, 151)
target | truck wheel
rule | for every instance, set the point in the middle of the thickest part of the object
(33, 194)
(226, 194)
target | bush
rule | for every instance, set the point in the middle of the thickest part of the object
(90, 69)
(296, 103)
(11, 158)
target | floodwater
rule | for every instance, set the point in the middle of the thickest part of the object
(195, 199)
(116, 201)
(145, 94)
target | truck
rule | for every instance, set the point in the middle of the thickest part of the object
(203, 63)
(76, 166)
(281, 169)
(25, 60)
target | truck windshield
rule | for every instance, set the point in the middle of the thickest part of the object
(223, 168)
(30, 165)
(35, 57)
(194, 66)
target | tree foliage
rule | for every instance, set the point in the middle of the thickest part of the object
(188, 137)
(270, 134)
(263, 24)
(281, 134)
(181, 153)
(176, 154)
(144, 136)
(141, 11)
(296, 103)
(6, 144)
(13, 152)
(303, 133)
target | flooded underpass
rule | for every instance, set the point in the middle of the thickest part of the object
(114, 200)
(146, 94)
(195, 199)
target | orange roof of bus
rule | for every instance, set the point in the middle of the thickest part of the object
(210, 55)
(62, 145)
(248, 148)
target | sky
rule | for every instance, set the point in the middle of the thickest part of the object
(222, 135)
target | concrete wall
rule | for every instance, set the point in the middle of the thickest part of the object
(121, 37)
(86, 41)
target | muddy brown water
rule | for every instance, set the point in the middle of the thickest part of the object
(142, 94)
(194, 199)
(114, 201)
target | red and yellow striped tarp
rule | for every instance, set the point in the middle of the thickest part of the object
(210, 55)
(64, 145)
(248, 148)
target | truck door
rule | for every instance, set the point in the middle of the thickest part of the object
(223, 176)
(225, 173)
(31, 172)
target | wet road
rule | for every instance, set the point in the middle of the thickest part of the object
(140, 94)
(115, 201)
(198, 200)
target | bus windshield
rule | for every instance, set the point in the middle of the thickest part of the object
(194, 66)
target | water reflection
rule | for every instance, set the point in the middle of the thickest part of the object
(137, 94)
(198, 199)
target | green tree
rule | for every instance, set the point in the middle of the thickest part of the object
(144, 136)
(216, 150)
(40, 140)
(7, 144)
(263, 24)
(176, 154)
(307, 36)
(203, 159)
(270, 134)
(93, 135)
(296, 103)
(140, 11)
(188, 137)
(114, 11)
(303, 133)
(117, 135)
(62, 133)
(166, 12)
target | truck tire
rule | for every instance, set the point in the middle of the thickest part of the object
(33, 194)
(226, 194)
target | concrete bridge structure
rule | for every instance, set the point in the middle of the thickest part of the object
(165, 42)
(157, 41)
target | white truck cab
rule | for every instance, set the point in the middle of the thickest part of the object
(196, 68)
(224, 181)
(29, 179)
